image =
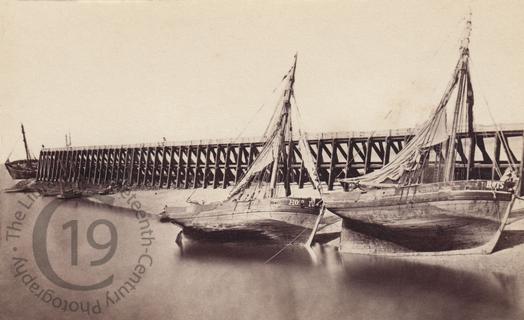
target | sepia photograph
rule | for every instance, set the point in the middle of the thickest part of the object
(300, 159)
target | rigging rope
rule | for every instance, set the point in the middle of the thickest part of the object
(285, 247)
(312, 175)
(430, 60)
(260, 109)
(266, 144)
(460, 21)
(498, 131)
(274, 125)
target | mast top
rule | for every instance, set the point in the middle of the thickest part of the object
(288, 91)
(464, 45)
(27, 153)
(291, 73)
(295, 57)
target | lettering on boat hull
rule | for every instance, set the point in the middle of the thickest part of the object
(246, 215)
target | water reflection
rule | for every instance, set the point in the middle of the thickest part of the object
(361, 286)
(220, 278)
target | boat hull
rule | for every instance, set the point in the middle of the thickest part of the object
(424, 218)
(22, 169)
(256, 216)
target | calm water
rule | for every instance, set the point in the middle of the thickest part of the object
(219, 278)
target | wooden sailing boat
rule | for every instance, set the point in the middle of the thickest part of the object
(422, 201)
(258, 196)
(25, 168)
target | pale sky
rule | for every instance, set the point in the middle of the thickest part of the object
(119, 72)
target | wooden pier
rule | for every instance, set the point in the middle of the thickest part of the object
(221, 163)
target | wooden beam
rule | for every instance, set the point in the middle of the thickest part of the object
(482, 147)
(171, 164)
(460, 150)
(132, 176)
(39, 166)
(496, 156)
(155, 164)
(101, 167)
(108, 164)
(367, 158)
(43, 165)
(471, 156)
(197, 161)
(162, 163)
(89, 164)
(238, 171)
(507, 149)
(67, 161)
(188, 167)
(387, 151)
(53, 165)
(74, 160)
(217, 166)
(147, 177)
(179, 167)
(125, 170)
(379, 149)
(96, 158)
(361, 154)
(206, 166)
(319, 158)
(331, 176)
(81, 167)
(226, 166)
(115, 176)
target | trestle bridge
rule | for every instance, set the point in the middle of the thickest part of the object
(221, 163)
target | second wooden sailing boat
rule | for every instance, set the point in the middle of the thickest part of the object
(258, 196)
(422, 201)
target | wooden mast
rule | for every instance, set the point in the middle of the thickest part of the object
(285, 117)
(287, 166)
(463, 86)
(27, 153)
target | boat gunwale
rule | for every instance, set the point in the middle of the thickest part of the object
(427, 194)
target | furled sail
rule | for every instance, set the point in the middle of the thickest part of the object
(431, 133)
(308, 161)
(273, 151)
(276, 132)
(264, 159)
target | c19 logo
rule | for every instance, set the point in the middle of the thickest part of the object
(40, 249)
